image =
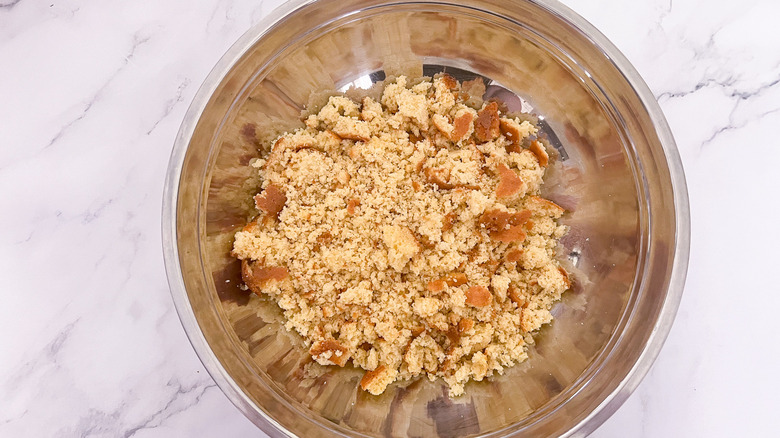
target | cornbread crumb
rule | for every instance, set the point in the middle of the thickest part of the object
(407, 234)
(376, 381)
(401, 245)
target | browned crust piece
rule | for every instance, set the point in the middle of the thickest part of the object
(370, 376)
(461, 126)
(478, 296)
(512, 134)
(487, 125)
(505, 226)
(257, 277)
(339, 354)
(540, 152)
(510, 184)
(271, 200)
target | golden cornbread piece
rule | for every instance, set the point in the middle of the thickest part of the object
(407, 235)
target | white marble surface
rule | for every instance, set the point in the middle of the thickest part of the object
(92, 94)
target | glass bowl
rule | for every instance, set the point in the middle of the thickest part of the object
(619, 175)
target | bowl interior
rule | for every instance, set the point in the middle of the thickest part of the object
(612, 176)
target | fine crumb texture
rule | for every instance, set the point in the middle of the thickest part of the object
(407, 235)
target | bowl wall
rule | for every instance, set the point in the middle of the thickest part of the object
(619, 175)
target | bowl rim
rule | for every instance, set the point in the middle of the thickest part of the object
(238, 49)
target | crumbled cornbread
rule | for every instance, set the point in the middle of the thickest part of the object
(407, 235)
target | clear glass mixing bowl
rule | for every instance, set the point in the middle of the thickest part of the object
(619, 175)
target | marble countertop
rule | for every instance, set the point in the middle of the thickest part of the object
(92, 95)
